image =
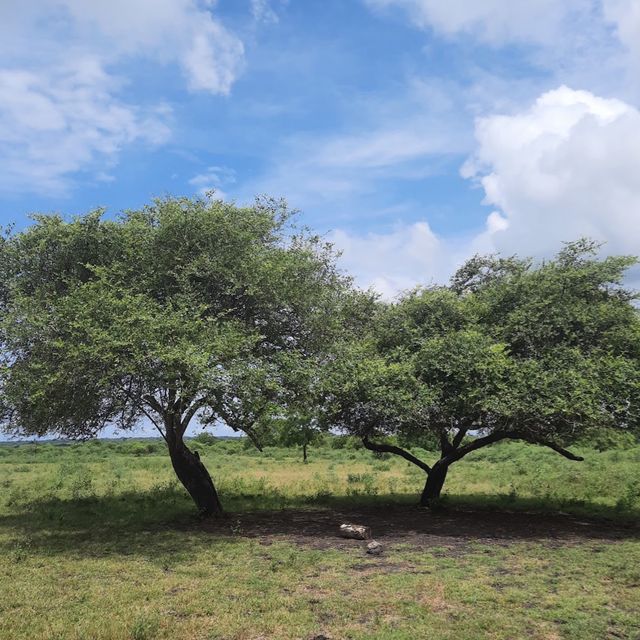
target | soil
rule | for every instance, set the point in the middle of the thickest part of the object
(409, 526)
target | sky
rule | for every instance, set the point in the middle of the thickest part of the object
(411, 133)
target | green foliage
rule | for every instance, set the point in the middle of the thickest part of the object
(205, 438)
(183, 307)
(548, 353)
(607, 439)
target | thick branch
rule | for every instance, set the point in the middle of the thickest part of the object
(457, 439)
(560, 450)
(478, 443)
(389, 448)
(191, 411)
(154, 404)
(445, 445)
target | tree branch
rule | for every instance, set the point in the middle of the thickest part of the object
(389, 448)
(157, 426)
(146, 413)
(153, 403)
(478, 443)
(560, 450)
(253, 437)
(191, 411)
(445, 445)
(457, 439)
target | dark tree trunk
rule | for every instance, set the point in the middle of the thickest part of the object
(195, 478)
(304, 453)
(433, 487)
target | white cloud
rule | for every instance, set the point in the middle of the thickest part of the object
(563, 168)
(407, 137)
(57, 123)
(213, 179)
(60, 107)
(213, 59)
(625, 15)
(263, 12)
(576, 42)
(384, 147)
(182, 31)
(395, 261)
(493, 21)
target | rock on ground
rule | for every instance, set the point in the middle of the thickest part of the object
(356, 531)
(374, 548)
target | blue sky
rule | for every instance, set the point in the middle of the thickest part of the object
(413, 133)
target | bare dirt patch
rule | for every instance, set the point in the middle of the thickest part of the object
(449, 530)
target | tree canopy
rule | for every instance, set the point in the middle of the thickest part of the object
(510, 349)
(184, 307)
(197, 308)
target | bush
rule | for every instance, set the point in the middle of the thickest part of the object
(604, 439)
(205, 438)
(344, 442)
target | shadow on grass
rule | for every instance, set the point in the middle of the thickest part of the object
(160, 525)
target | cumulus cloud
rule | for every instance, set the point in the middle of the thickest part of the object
(563, 168)
(60, 107)
(396, 261)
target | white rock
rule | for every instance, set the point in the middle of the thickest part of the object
(356, 531)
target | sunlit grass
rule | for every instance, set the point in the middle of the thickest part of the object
(99, 541)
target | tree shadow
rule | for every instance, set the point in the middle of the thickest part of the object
(160, 525)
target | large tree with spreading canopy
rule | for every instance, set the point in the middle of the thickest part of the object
(185, 308)
(511, 349)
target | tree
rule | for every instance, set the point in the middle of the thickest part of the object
(185, 308)
(509, 350)
(306, 419)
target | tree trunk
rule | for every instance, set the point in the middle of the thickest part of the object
(435, 481)
(195, 478)
(304, 453)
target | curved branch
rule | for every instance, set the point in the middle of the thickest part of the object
(190, 412)
(478, 443)
(251, 434)
(560, 450)
(389, 448)
(154, 423)
(146, 413)
(154, 404)
(246, 429)
(457, 439)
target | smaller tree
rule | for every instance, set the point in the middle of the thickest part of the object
(509, 350)
(293, 430)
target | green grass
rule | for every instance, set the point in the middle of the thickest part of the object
(97, 540)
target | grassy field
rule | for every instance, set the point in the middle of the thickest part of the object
(97, 540)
